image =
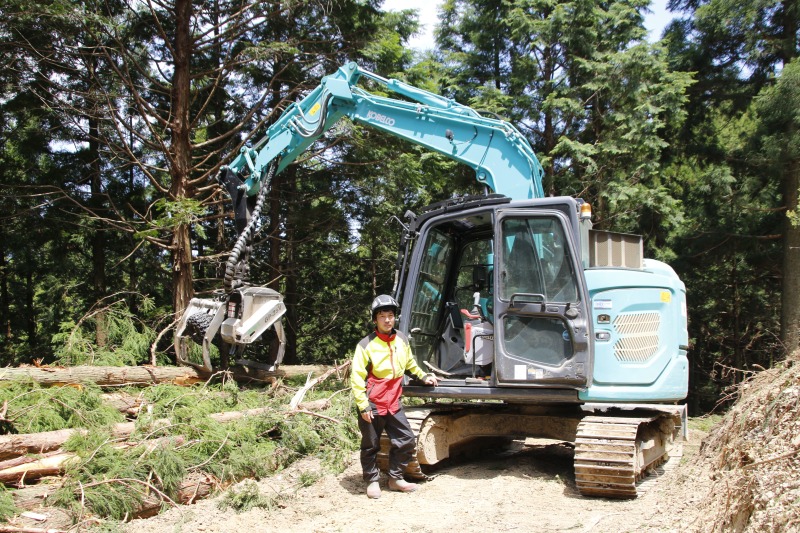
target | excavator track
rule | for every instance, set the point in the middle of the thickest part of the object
(613, 454)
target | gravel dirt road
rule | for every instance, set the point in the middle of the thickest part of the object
(530, 488)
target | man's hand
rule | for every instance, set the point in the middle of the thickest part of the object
(367, 416)
(430, 379)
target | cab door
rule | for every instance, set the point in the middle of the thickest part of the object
(540, 302)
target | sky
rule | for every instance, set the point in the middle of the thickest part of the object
(654, 22)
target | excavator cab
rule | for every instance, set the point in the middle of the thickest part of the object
(493, 298)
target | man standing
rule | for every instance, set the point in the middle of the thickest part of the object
(379, 363)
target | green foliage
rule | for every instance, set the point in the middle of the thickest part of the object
(309, 478)
(339, 441)
(113, 480)
(302, 438)
(728, 163)
(590, 95)
(704, 423)
(172, 214)
(778, 111)
(7, 507)
(32, 408)
(128, 338)
(247, 496)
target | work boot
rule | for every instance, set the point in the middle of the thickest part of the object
(374, 490)
(401, 485)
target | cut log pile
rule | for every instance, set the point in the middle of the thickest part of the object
(27, 458)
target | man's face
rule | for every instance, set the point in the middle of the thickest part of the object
(384, 321)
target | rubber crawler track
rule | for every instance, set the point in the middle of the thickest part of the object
(613, 454)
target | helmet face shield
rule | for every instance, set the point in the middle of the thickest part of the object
(384, 302)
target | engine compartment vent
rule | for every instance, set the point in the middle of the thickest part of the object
(637, 337)
(610, 249)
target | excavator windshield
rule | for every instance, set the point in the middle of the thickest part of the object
(535, 262)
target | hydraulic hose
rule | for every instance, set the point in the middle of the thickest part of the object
(246, 236)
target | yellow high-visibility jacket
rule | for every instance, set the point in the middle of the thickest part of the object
(376, 376)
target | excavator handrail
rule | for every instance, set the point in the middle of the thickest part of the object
(501, 156)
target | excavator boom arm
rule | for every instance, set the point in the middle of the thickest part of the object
(502, 158)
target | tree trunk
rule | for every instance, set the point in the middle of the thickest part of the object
(182, 279)
(196, 486)
(5, 300)
(288, 267)
(98, 235)
(30, 316)
(181, 154)
(127, 404)
(12, 446)
(103, 375)
(113, 376)
(53, 464)
(790, 294)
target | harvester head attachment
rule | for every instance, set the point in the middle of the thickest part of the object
(240, 319)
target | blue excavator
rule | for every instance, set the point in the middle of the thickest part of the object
(538, 325)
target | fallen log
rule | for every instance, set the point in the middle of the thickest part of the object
(300, 394)
(34, 496)
(113, 376)
(47, 441)
(50, 465)
(54, 463)
(195, 487)
(23, 459)
(102, 375)
(127, 404)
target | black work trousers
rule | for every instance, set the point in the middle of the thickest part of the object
(401, 438)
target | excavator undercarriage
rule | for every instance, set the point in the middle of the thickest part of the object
(615, 448)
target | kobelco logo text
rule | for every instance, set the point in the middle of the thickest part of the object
(383, 119)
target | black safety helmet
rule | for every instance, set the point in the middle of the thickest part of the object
(384, 302)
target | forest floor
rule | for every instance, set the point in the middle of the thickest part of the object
(741, 476)
(528, 488)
